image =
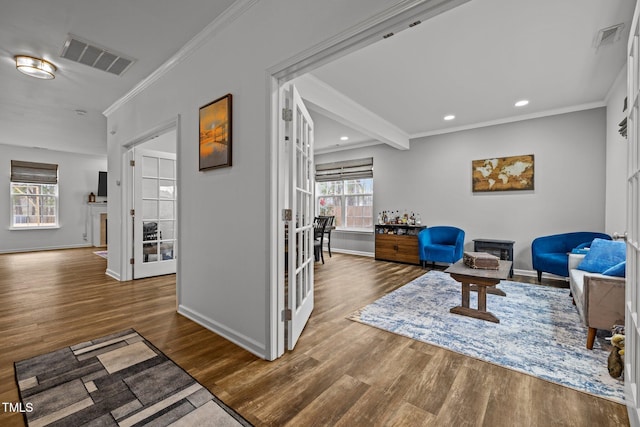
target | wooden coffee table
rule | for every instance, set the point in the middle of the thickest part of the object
(482, 281)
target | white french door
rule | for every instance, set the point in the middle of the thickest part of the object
(300, 177)
(154, 213)
(632, 297)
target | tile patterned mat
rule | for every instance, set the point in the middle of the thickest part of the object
(120, 379)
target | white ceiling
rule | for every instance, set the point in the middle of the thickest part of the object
(474, 61)
(477, 60)
(37, 113)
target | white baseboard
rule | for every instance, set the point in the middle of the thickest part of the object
(520, 272)
(245, 342)
(528, 273)
(112, 274)
(45, 248)
(349, 252)
(534, 273)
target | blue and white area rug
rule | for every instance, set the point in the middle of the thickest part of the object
(539, 333)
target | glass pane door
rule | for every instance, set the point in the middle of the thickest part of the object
(155, 213)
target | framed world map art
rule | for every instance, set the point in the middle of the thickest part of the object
(503, 174)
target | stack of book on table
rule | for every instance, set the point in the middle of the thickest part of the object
(481, 260)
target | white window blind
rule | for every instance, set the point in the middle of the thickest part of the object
(348, 169)
(31, 172)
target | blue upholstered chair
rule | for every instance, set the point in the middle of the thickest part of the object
(550, 254)
(440, 244)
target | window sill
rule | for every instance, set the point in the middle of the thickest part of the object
(354, 230)
(53, 227)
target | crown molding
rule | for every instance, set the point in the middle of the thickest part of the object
(506, 120)
(232, 13)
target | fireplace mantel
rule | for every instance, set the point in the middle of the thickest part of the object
(98, 215)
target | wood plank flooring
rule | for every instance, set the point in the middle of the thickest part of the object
(342, 373)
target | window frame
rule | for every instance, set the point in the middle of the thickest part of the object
(41, 195)
(343, 196)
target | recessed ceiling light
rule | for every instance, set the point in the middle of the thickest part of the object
(449, 117)
(81, 112)
(522, 103)
(344, 138)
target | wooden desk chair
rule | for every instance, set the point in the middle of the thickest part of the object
(327, 230)
(319, 227)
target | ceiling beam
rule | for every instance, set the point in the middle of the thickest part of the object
(335, 105)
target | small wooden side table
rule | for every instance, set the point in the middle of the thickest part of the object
(482, 281)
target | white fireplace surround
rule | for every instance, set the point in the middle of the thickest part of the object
(95, 211)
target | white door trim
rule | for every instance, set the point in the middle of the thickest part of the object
(632, 302)
(126, 237)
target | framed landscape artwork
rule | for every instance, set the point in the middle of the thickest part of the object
(215, 134)
(503, 174)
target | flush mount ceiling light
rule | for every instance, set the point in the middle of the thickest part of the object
(522, 103)
(344, 138)
(449, 117)
(35, 67)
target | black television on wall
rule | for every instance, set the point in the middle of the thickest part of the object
(102, 184)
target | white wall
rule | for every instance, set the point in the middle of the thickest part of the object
(77, 177)
(434, 178)
(616, 155)
(224, 215)
(165, 142)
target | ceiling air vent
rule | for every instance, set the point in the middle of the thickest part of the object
(608, 35)
(95, 56)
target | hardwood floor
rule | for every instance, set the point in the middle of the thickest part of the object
(341, 373)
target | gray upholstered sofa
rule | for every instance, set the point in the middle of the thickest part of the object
(598, 298)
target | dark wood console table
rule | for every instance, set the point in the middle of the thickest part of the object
(398, 242)
(503, 249)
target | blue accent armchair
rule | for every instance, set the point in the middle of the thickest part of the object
(440, 244)
(550, 254)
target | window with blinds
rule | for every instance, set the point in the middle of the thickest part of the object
(348, 169)
(34, 195)
(345, 190)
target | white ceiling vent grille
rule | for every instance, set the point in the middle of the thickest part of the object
(89, 53)
(608, 35)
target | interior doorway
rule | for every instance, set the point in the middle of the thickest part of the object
(150, 203)
(155, 241)
(393, 20)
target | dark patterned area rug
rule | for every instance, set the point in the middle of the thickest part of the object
(117, 380)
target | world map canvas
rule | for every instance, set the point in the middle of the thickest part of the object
(503, 173)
